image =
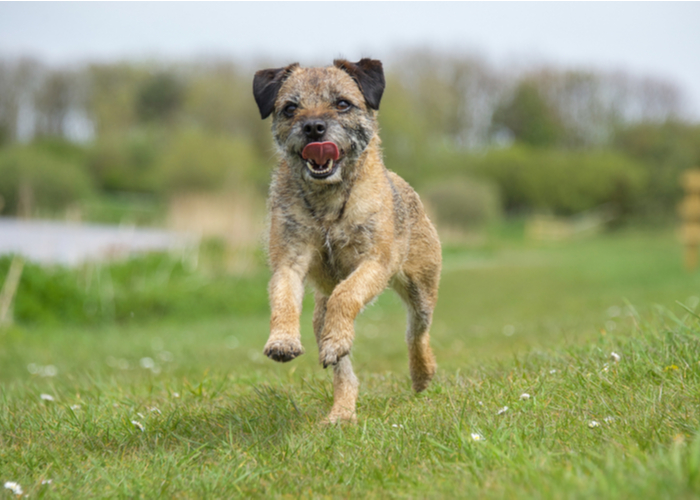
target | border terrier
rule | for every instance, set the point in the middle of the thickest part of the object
(341, 221)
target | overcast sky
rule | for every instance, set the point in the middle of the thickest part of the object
(653, 39)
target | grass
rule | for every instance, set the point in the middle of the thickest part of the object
(219, 420)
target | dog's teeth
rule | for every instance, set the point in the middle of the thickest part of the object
(330, 164)
(310, 165)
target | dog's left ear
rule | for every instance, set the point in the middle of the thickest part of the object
(266, 86)
(369, 75)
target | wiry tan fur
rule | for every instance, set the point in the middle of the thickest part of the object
(349, 236)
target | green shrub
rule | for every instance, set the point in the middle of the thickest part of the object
(463, 203)
(125, 163)
(563, 182)
(45, 181)
(144, 288)
(195, 160)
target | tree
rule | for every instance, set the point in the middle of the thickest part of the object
(529, 117)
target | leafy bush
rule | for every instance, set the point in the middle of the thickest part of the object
(195, 160)
(40, 179)
(463, 203)
(148, 287)
(665, 150)
(563, 182)
(125, 163)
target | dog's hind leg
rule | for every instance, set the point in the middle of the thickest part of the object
(419, 294)
(345, 383)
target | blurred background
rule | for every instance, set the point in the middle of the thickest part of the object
(546, 140)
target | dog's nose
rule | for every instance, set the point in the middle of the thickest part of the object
(314, 129)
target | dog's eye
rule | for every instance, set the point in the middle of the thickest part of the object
(289, 109)
(343, 105)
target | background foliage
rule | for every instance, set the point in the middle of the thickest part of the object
(543, 139)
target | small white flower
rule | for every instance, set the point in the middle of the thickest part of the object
(14, 487)
(138, 425)
(477, 437)
(481, 403)
(552, 372)
(615, 357)
(502, 410)
(593, 424)
(141, 415)
(609, 419)
(74, 407)
(176, 394)
(524, 396)
(399, 426)
(46, 481)
(147, 363)
(47, 397)
(605, 368)
(155, 410)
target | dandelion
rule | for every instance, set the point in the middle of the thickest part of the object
(138, 425)
(615, 357)
(14, 487)
(49, 371)
(593, 424)
(524, 396)
(502, 410)
(614, 311)
(477, 437)
(47, 397)
(165, 356)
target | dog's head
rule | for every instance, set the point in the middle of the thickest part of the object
(323, 118)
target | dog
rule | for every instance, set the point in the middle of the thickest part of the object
(341, 221)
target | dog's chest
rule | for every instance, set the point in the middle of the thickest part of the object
(341, 247)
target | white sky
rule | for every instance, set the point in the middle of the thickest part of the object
(655, 39)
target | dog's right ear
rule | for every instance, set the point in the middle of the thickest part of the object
(266, 85)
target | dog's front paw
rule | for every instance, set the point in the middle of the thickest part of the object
(333, 349)
(283, 350)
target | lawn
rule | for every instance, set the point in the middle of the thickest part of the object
(164, 391)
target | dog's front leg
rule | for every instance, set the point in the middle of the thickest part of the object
(286, 292)
(344, 304)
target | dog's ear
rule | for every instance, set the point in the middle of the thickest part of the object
(266, 85)
(369, 75)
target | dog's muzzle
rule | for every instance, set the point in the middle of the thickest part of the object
(321, 158)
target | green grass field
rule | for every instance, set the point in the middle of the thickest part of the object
(178, 400)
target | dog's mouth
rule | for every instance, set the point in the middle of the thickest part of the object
(321, 158)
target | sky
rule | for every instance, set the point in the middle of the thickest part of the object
(660, 40)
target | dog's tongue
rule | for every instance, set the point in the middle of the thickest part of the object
(320, 152)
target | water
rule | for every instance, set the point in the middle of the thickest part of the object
(55, 242)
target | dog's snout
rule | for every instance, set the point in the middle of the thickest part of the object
(314, 129)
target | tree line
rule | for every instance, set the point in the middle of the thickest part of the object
(532, 139)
